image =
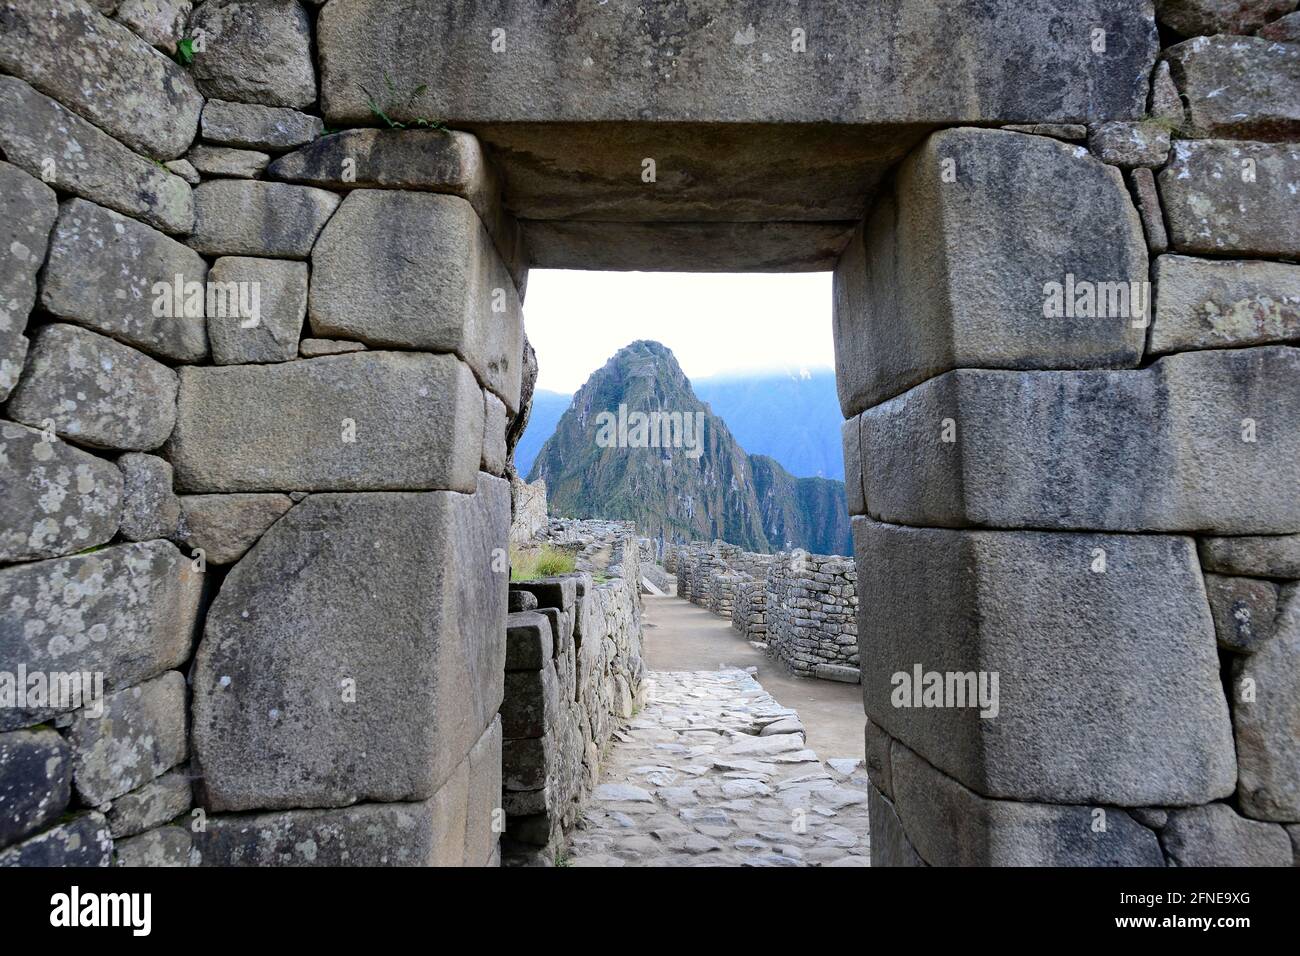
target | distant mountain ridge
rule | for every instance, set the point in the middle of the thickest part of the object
(711, 490)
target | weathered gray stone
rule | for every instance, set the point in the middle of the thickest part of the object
(951, 826)
(185, 170)
(1129, 144)
(556, 592)
(96, 391)
(1232, 198)
(1284, 30)
(81, 841)
(1265, 713)
(127, 611)
(138, 734)
(416, 620)
(526, 761)
(165, 846)
(315, 348)
(529, 644)
(1195, 17)
(484, 802)
(272, 334)
(531, 705)
(54, 497)
(877, 744)
(1243, 610)
(257, 51)
(418, 270)
(225, 161)
(853, 466)
(1209, 304)
(226, 526)
(1165, 105)
(374, 834)
(1206, 435)
(258, 127)
(494, 434)
(118, 277)
(889, 844)
(153, 804)
(235, 217)
(35, 781)
(339, 423)
(150, 509)
(522, 601)
(158, 22)
(1070, 132)
(1238, 87)
(103, 71)
(734, 62)
(1143, 183)
(27, 210)
(1215, 835)
(956, 273)
(1269, 556)
(47, 140)
(1029, 607)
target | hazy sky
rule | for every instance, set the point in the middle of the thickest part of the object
(713, 322)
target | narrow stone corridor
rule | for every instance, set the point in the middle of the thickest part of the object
(714, 771)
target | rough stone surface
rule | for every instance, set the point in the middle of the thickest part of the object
(889, 844)
(1267, 757)
(1165, 104)
(258, 51)
(876, 747)
(225, 161)
(272, 334)
(104, 272)
(1195, 17)
(483, 809)
(528, 639)
(1232, 198)
(416, 619)
(258, 127)
(1143, 184)
(376, 834)
(153, 804)
(139, 735)
(54, 498)
(951, 826)
(734, 62)
(1269, 556)
(81, 841)
(1284, 30)
(315, 348)
(50, 141)
(1215, 835)
(150, 509)
(35, 781)
(96, 391)
(1181, 430)
(236, 217)
(104, 72)
(494, 434)
(27, 212)
(1243, 610)
(1129, 144)
(418, 270)
(126, 611)
(1029, 607)
(954, 274)
(159, 22)
(1238, 87)
(1070, 132)
(1209, 304)
(185, 170)
(165, 846)
(226, 526)
(857, 502)
(287, 427)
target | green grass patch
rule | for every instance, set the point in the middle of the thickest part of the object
(544, 562)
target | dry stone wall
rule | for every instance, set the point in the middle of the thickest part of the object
(573, 673)
(261, 533)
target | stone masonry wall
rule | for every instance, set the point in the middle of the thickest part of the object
(256, 384)
(1040, 471)
(573, 672)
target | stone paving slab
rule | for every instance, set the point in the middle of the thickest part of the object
(693, 781)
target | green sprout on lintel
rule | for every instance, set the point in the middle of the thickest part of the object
(408, 105)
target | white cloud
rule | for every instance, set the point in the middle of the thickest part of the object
(715, 323)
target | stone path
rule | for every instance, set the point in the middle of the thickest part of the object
(714, 772)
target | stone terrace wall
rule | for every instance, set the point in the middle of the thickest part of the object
(1033, 486)
(573, 671)
(749, 615)
(270, 531)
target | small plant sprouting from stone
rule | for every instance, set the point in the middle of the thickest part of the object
(184, 54)
(394, 99)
